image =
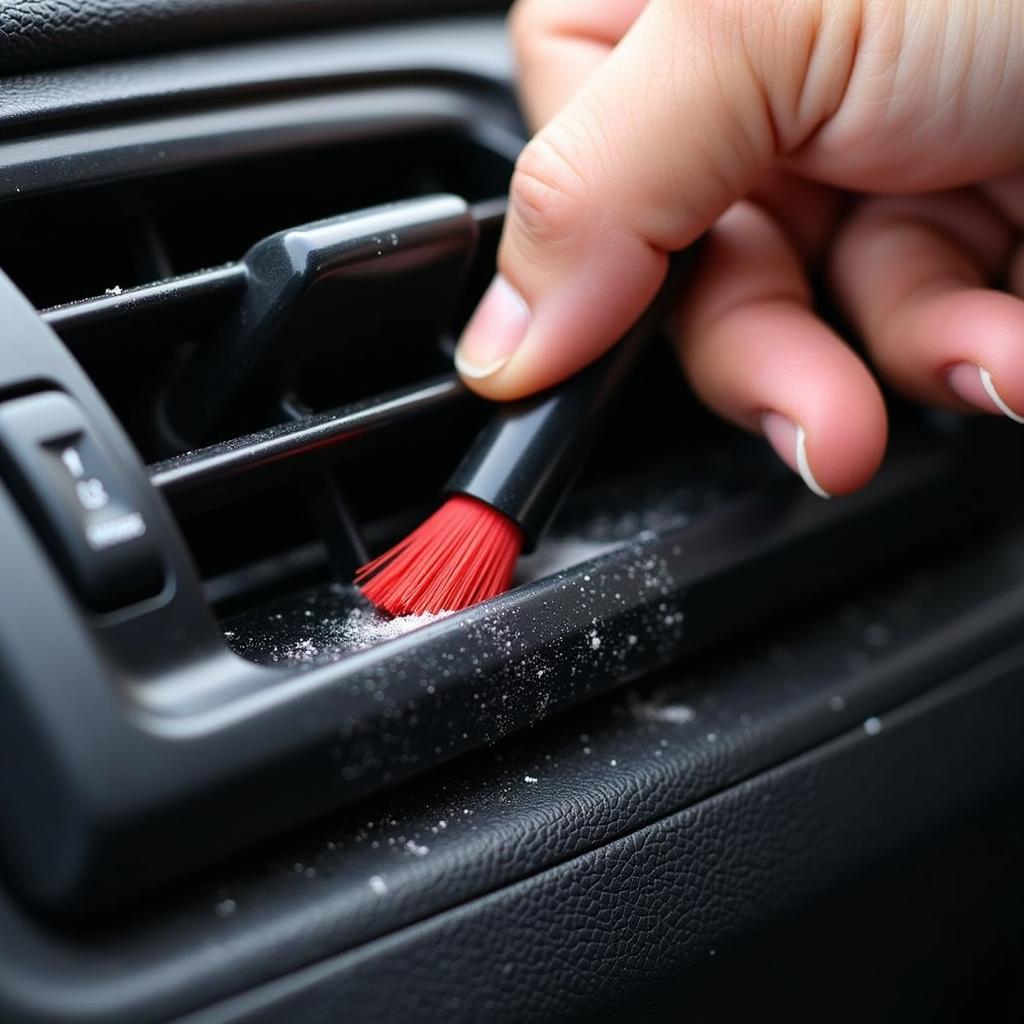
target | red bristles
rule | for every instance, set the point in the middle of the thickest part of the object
(464, 553)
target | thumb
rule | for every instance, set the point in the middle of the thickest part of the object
(670, 130)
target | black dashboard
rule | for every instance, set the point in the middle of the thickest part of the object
(723, 750)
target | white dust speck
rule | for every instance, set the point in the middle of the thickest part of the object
(378, 885)
(388, 629)
(225, 907)
(417, 849)
(712, 737)
(595, 641)
(613, 763)
(357, 630)
(529, 778)
(304, 650)
(116, 290)
(872, 726)
(836, 703)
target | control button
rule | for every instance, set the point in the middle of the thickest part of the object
(80, 500)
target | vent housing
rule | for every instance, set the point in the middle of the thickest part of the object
(154, 274)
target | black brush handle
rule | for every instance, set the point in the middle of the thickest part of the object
(523, 462)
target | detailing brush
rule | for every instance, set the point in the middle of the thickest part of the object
(507, 489)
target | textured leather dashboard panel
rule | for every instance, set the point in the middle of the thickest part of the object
(46, 33)
(631, 930)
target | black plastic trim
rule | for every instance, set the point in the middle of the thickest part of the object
(187, 294)
(470, 50)
(93, 155)
(204, 476)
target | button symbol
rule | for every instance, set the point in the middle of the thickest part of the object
(115, 531)
(73, 462)
(92, 495)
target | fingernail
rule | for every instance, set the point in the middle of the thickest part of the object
(975, 386)
(494, 331)
(790, 443)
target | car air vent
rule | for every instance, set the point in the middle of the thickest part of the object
(271, 333)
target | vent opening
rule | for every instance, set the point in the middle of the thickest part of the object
(140, 324)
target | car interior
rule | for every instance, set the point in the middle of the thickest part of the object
(725, 751)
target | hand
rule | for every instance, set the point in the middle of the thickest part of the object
(879, 141)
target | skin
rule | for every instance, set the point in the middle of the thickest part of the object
(879, 141)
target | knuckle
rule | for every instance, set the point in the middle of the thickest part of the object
(548, 191)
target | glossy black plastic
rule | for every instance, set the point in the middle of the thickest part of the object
(189, 296)
(299, 279)
(224, 471)
(524, 460)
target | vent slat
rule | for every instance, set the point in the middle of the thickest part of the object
(208, 476)
(184, 294)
